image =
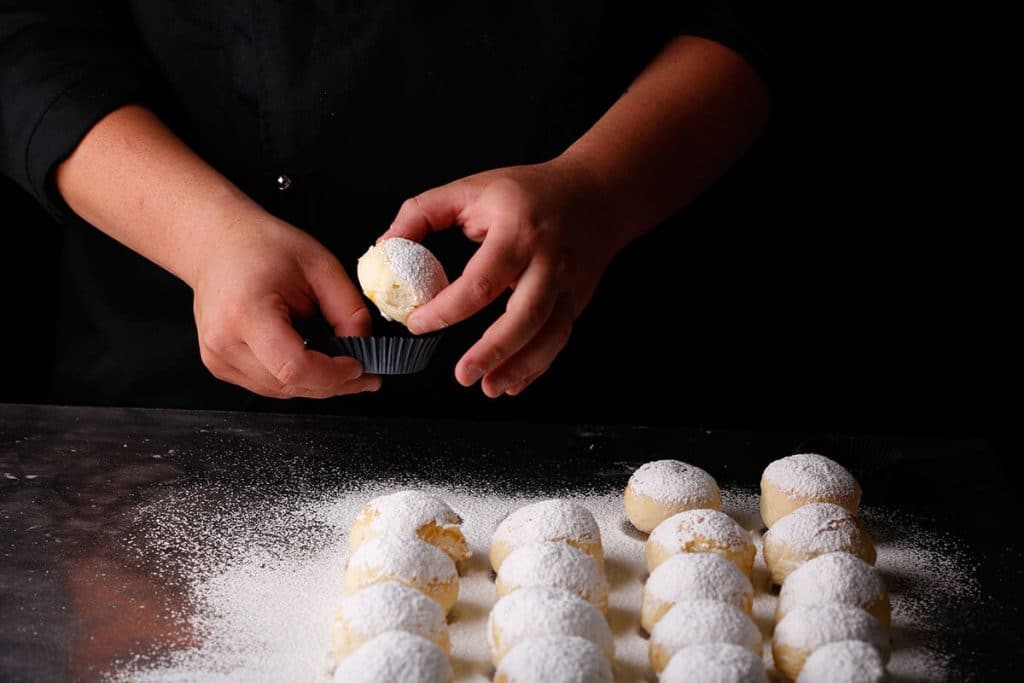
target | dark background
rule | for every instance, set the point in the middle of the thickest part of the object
(854, 272)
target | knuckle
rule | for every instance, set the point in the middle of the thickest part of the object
(288, 372)
(213, 340)
(482, 288)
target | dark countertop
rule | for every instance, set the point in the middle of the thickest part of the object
(69, 476)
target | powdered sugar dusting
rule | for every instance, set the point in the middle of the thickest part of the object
(260, 581)
(705, 621)
(674, 482)
(816, 528)
(699, 576)
(811, 474)
(808, 627)
(395, 656)
(405, 557)
(691, 527)
(539, 610)
(405, 512)
(847, 661)
(391, 606)
(557, 565)
(556, 659)
(556, 519)
(833, 577)
(715, 663)
(414, 266)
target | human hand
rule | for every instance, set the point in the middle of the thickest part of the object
(545, 234)
(252, 278)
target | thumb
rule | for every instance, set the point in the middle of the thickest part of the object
(340, 300)
(431, 211)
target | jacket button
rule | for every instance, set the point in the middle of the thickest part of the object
(283, 182)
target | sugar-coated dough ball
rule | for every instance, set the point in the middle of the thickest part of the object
(396, 656)
(557, 565)
(383, 607)
(661, 488)
(796, 480)
(693, 576)
(411, 513)
(847, 661)
(714, 663)
(701, 531)
(808, 627)
(398, 275)
(408, 560)
(700, 622)
(554, 659)
(836, 577)
(811, 530)
(541, 611)
(557, 519)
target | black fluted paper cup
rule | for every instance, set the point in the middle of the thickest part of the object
(391, 355)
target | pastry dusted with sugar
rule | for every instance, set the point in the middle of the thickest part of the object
(554, 659)
(700, 622)
(811, 530)
(542, 611)
(796, 480)
(847, 661)
(383, 607)
(808, 627)
(407, 560)
(398, 275)
(661, 488)
(701, 531)
(556, 565)
(557, 519)
(836, 577)
(411, 513)
(396, 656)
(714, 663)
(693, 576)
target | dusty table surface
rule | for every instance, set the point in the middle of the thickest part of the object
(70, 479)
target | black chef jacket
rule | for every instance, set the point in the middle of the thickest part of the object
(327, 113)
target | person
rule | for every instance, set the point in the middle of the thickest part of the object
(242, 155)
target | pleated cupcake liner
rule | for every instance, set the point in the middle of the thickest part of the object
(391, 355)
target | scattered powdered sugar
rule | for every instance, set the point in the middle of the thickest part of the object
(557, 519)
(833, 577)
(407, 557)
(846, 661)
(404, 512)
(694, 576)
(705, 621)
(810, 474)
(392, 606)
(808, 627)
(260, 580)
(674, 482)
(696, 527)
(540, 610)
(554, 564)
(556, 659)
(415, 266)
(714, 663)
(395, 656)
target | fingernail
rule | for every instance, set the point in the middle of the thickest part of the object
(415, 326)
(473, 373)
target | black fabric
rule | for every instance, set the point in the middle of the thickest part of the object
(361, 104)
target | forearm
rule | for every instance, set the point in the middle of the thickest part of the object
(684, 120)
(132, 178)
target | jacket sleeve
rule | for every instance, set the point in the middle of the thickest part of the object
(64, 65)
